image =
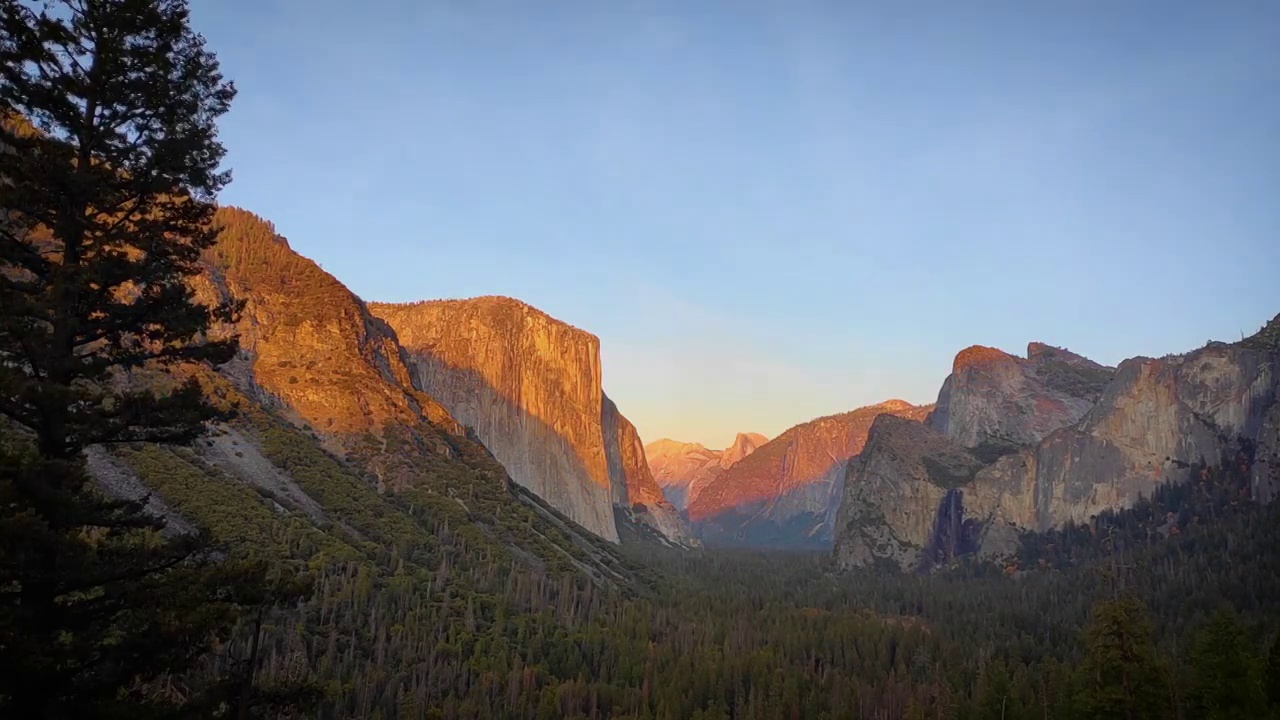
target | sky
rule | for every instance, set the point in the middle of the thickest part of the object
(773, 211)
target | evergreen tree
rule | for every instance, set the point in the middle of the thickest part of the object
(93, 602)
(109, 160)
(111, 169)
(1120, 676)
(1222, 681)
(1272, 679)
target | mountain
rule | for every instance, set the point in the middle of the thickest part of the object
(787, 491)
(997, 401)
(337, 468)
(529, 387)
(743, 445)
(1009, 450)
(313, 357)
(683, 469)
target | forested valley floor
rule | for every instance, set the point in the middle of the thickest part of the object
(1165, 610)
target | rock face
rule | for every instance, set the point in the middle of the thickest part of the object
(312, 354)
(743, 445)
(787, 492)
(1151, 422)
(632, 487)
(997, 401)
(529, 387)
(683, 469)
(1266, 464)
(894, 490)
(310, 347)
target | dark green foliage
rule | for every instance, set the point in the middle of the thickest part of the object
(948, 475)
(1222, 680)
(1120, 675)
(108, 110)
(992, 450)
(92, 600)
(109, 160)
(1272, 679)
(1214, 497)
(422, 606)
(1073, 378)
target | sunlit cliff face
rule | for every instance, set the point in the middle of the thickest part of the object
(530, 387)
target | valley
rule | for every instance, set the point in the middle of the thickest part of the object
(233, 487)
(456, 469)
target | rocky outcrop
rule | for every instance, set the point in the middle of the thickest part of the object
(631, 483)
(1156, 419)
(743, 445)
(311, 352)
(310, 348)
(894, 489)
(529, 387)
(1152, 423)
(1266, 464)
(788, 491)
(683, 469)
(997, 402)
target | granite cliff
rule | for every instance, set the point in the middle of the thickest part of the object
(997, 401)
(529, 387)
(931, 491)
(787, 492)
(636, 497)
(683, 469)
(333, 440)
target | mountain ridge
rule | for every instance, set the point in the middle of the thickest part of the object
(1067, 446)
(787, 492)
(683, 469)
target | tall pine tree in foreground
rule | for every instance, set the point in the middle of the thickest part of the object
(1121, 676)
(109, 165)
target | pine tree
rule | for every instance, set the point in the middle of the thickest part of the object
(1222, 681)
(1272, 679)
(109, 164)
(994, 693)
(111, 167)
(94, 602)
(1120, 676)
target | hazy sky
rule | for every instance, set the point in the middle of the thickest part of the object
(770, 211)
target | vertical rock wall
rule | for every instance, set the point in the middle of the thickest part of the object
(530, 388)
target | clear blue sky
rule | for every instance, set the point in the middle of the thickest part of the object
(770, 211)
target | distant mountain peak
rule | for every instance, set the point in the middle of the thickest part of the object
(788, 489)
(980, 355)
(682, 469)
(895, 404)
